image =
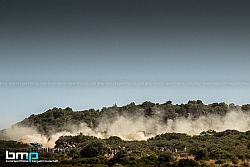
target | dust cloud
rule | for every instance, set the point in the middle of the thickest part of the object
(138, 127)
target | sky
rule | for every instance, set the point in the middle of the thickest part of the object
(90, 54)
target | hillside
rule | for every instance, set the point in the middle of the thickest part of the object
(133, 121)
(147, 134)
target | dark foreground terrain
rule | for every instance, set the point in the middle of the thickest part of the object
(210, 148)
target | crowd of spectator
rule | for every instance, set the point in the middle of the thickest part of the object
(64, 147)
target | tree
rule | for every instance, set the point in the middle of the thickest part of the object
(149, 111)
(166, 157)
(199, 102)
(201, 154)
(187, 163)
(147, 104)
(94, 149)
(116, 138)
(73, 153)
(122, 157)
(192, 102)
(169, 102)
(245, 107)
(68, 109)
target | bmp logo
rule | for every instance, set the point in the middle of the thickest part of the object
(21, 156)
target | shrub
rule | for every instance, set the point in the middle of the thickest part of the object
(188, 163)
(166, 157)
(94, 149)
(201, 154)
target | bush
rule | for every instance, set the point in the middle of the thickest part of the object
(150, 159)
(220, 161)
(121, 157)
(93, 160)
(116, 138)
(166, 157)
(219, 154)
(234, 160)
(187, 163)
(117, 165)
(201, 154)
(94, 149)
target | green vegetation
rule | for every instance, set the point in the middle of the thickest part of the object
(209, 148)
(57, 119)
(228, 148)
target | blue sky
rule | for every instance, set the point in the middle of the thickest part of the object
(82, 41)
